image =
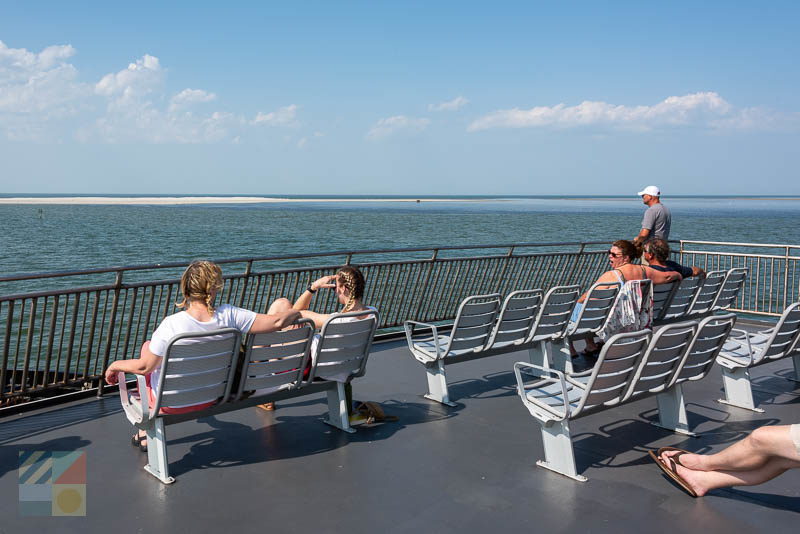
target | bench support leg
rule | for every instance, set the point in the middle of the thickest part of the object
(157, 463)
(738, 392)
(538, 355)
(672, 411)
(338, 415)
(561, 357)
(437, 384)
(558, 453)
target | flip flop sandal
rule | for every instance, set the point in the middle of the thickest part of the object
(268, 406)
(372, 412)
(136, 441)
(670, 470)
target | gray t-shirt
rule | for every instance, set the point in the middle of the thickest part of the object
(657, 219)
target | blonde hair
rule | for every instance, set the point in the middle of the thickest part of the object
(200, 281)
(352, 279)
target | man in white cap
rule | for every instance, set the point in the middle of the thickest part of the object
(657, 218)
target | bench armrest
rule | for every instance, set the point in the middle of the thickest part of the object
(125, 399)
(743, 340)
(409, 326)
(556, 376)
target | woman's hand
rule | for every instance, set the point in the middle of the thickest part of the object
(326, 281)
(111, 375)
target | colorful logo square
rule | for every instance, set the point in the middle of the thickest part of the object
(52, 483)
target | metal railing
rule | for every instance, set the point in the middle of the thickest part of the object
(773, 280)
(57, 338)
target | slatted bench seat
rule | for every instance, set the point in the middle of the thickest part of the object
(201, 368)
(630, 366)
(744, 351)
(527, 320)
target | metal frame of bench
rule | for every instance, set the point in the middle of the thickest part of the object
(482, 328)
(744, 350)
(630, 366)
(204, 370)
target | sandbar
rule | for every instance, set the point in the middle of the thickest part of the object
(210, 200)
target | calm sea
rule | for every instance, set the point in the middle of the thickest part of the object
(38, 238)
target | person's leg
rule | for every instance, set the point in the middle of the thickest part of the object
(753, 452)
(704, 481)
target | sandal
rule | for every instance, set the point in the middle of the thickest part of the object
(371, 412)
(136, 441)
(670, 469)
(268, 406)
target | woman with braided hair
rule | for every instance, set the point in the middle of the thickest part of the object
(348, 282)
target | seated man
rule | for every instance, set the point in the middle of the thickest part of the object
(656, 252)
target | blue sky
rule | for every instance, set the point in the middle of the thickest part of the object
(399, 97)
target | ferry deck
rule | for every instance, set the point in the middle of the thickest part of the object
(470, 468)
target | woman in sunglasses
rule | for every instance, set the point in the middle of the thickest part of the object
(620, 256)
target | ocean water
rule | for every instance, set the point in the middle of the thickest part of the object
(36, 238)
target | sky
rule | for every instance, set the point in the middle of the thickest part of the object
(399, 98)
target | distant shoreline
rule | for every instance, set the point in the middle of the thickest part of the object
(212, 200)
(199, 200)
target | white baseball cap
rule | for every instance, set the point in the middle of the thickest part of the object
(651, 190)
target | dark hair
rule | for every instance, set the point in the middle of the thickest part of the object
(658, 248)
(353, 280)
(627, 248)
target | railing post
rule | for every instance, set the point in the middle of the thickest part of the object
(786, 279)
(247, 270)
(349, 258)
(110, 336)
(502, 275)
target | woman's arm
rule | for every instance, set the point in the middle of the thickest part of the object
(304, 300)
(318, 318)
(274, 322)
(143, 365)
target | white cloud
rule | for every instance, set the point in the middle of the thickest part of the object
(390, 125)
(36, 89)
(42, 99)
(187, 97)
(705, 110)
(450, 105)
(284, 116)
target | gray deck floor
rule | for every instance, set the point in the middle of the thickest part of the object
(439, 469)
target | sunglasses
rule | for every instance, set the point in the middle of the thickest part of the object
(614, 255)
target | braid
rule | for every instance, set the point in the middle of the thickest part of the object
(353, 281)
(200, 281)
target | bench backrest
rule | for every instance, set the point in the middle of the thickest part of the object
(784, 334)
(662, 298)
(707, 296)
(596, 306)
(198, 368)
(474, 322)
(615, 367)
(704, 348)
(342, 349)
(734, 281)
(276, 360)
(555, 313)
(664, 355)
(683, 298)
(517, 317)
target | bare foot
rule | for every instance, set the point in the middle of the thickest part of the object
(689, 460)
(694, 479)
(268, 406)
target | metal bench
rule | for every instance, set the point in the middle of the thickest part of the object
(483, 328)
(630, 366)
(744, 350)
(203, 367)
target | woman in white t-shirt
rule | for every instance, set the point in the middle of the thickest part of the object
(348, 282)
(199, 285)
